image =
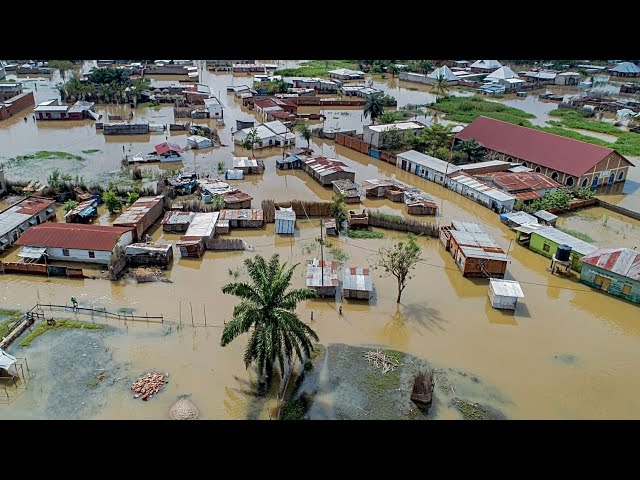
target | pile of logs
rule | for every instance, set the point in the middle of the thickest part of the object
(381, 361)
(148, 385)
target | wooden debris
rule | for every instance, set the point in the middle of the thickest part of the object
(381, 361)
(147, 274)
(148, 385)
(423, 384)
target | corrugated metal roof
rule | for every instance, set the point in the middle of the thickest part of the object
(494, 64)
(502, 73)
(174, 217)
(561, 238)
(475, 184)
(317, 270)
(467, 227)
(72, 235)
(520, 218)
(562, 154)
(478, 245)
(136, 212)
(326, 166)
(285, 214)
(17, 214)
(506, 288)
(141, 248)
(202, 225)
(165, 147)
(623, 261)
(245, 162)
(429, 162)
(242, 214)
(626, 67)
(400, 126)
(544, 215)
(357, 278)
(510, 181)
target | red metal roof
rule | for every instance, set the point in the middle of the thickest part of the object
(513, 182)
(524, 196)
(623, 261)
(34, 205)
(165, 147)
(72, 235)
(552, 151)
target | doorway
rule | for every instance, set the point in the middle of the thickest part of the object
(606, 283)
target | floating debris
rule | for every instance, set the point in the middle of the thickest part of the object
(148, 385)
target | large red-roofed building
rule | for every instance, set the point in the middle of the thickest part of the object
(76, 242)
(569, 162)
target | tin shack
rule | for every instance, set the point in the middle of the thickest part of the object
(285, 221)
(357, 283)
(348, 189)
(194, 242)
(84, 212)
(149, 254)
(177, 221)
(322, 276)
(244, 218)
(475, 252)
(141, 215)
(613, 270)
(504, 294)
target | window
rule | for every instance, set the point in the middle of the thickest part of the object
(598, 280)
(546, 247)
(92, 254)
(525, 164)
(584, 183)
(594, 183)
(538, 170)
(65, 252)
(620, 176)
(626, 290)
(554, 176)
(509, 159)
(569, 182)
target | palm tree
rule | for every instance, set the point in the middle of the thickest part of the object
(304, 131)
(472, 149)
(267, 313)
(393, 69)
(374, 107)
(440, 86)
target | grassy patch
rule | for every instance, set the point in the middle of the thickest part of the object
(90, 151)
(316, 68)
(296, 409)
(338, 254)
(387, 216)
(45, 155)
(44, 327)
(152, 105)
(5, 325)
(577, 234)
(467, 109)
(575, 119)
(471, 411)
(364, 234)
(63, 65)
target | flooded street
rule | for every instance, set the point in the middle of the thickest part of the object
(444, 317)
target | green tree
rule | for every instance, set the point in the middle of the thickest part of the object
(374, 107)
(112, 201)
(70, 205)
(338, 209)
(305, 132)
(250, 140)
(388, 117)
(267, 312)
(392, 138)
(218, 202)
(54, 180)
(132, 197)
(472, 150)
(399, 261)
(440, 87)
(436, 136)
(393, 69)
(220, 167)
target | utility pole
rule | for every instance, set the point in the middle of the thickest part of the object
(321, 254)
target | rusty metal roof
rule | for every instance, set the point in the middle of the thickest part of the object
(319, 269)
(357, 278)
(623, 261)
(513, 182)
(72, 235)
(136, 212)
(177, 217)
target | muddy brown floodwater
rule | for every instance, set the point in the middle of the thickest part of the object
(443, 317)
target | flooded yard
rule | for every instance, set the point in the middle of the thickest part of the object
(567, 352)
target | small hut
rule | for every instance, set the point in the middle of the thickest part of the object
(290, 162)
(330, 227)
(177, 221)
(358, 220)
(357, 283)
(546, 218)
(285, 221)
(348, 189)
(322, 276)
(84, 212)
(504, 294)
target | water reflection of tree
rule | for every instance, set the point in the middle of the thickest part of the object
(395, 331)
